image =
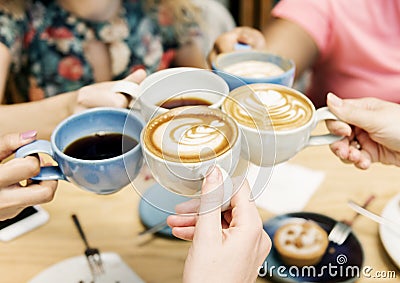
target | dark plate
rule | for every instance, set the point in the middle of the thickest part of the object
(339, 264)
(156, 204)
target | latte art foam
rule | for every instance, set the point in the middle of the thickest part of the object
(266, 108)
(190, 137)
(254, 69)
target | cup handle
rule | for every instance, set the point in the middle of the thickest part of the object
(41, 146)
(127, 88)
(241, 46)
(324, 114)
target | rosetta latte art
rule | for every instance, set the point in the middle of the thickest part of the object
(267, 109)
(189, 138)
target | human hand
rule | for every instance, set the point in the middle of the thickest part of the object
(374, 135)
(100, 94)
(227, 247)
(226, 42)
(14, 197)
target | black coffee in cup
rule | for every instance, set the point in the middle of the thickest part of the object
(183, 101)
(100, 146)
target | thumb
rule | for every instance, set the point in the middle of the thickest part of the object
(11, 142)
(357, 112)
(208, 225)
(137, 76)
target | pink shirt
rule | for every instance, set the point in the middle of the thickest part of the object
(359, 44)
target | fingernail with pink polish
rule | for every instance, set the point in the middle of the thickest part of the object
(29, 135)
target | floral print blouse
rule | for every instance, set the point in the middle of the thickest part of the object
(47, 47)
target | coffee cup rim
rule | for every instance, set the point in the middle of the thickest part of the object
(87, 112)
(215, 105)
(235, 142)
(216, 66)
(275, 86)
(188, 164)
(143, 99)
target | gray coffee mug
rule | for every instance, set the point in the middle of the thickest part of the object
(102, 176)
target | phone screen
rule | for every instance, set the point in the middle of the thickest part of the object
(28, 211)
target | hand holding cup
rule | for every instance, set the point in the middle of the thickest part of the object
(276, 122)
(181, 145)
(98, 150)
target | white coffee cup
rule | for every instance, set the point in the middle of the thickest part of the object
(184, 83)
(181, 145)
(276, 122)
(174, 83)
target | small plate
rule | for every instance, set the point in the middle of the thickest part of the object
(76, 269)
(345, 259)
(390, 239)
(156, 204)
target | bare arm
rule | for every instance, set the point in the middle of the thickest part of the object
(5, 62)
(291, 41)
(44, 115)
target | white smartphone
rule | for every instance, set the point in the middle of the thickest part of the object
(27, 220)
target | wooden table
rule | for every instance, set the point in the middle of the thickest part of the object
(112, 223)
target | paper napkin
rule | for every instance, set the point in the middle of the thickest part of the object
(284, 188)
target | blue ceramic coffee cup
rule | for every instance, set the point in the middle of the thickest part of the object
(103, 176)
(248, 65)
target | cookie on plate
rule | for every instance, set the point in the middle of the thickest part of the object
(301, 243)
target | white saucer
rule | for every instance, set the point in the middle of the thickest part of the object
(390, 238)
(76, 269)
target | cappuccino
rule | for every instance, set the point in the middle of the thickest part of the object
(190, 134)
(268, 107)
(254, 69)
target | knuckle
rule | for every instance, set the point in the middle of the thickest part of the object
(32, 166)
(83, 94)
